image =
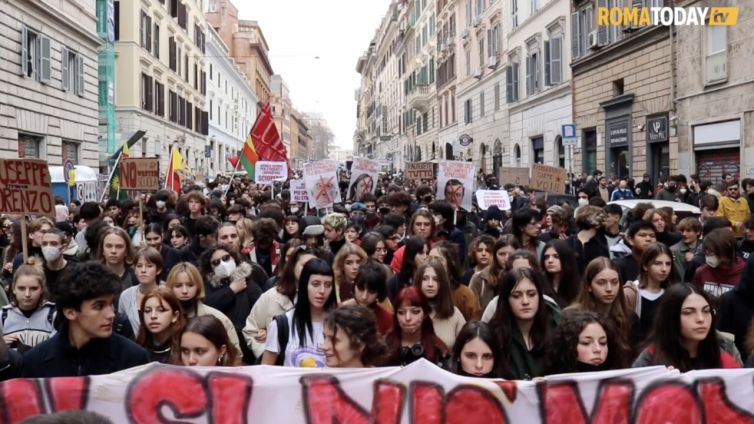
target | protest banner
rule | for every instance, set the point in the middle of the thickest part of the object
(487, 198)
(455, 183)
(321, 181)
(419, 393)
(266, 172)
(298, 191)
(364, 174)
(515, 176)
(420, 171)
(548, 178)
(139, 174)
(26, 187)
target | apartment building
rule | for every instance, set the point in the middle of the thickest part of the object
(160, 82)
(714, 98)
(365, 138)
(230, 103)
(447, 42)
(48, 98)
(280, 100)
(537, 82)
(301, 141)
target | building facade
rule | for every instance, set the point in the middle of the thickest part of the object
(160, 80)
(231, 106)
(280, 101)
(48, 98)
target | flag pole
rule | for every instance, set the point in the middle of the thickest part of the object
(110, 177)
(171, 170)
(233, 175)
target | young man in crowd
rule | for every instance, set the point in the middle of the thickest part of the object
(644, 189)
(205, 231)
(683, 251)
(640, 234)
(85, 343)
(734, 207)
(708, 205)
(55, 264)
(611, 225)
(335, 231)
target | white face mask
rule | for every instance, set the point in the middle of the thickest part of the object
(683, 191)
(225, 269)
(712, 260)
(160, 204)
(294, 209)
(583, 202)
(51, 253)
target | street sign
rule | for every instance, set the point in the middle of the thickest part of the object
(568, 131)
(67, 169)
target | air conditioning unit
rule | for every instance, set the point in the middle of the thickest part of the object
(716, 67)
(593, 40)
(475, 22)
(212, 7)
(465, 34)
(492, 62)
(477, 73)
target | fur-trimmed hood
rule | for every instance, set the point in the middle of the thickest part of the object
(243, 270)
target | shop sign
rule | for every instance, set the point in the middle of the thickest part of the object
(657, 129)
(618, 133)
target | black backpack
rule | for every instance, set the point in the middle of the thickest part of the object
(283, 333)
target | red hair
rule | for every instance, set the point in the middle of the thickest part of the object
(412, 296)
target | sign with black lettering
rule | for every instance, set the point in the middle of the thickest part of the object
(657, 129)
(548, 178)
(140, 174)
(26, 187)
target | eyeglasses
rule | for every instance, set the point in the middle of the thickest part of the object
(216, 262)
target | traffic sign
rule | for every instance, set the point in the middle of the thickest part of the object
(568, 131)
(68, 168)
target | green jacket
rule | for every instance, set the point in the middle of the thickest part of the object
(525, 364)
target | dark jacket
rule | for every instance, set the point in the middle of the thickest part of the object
(737, 308)
(10, 364)
(594, 248)
(171, 257)
(526, 364)
(57, 358)
(235, 306)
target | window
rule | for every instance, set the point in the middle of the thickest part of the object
(35, 55)
(589, 147)
(147, 101)
(146, 30)
(581, 25)
(156, 47)
(173, 54)
(493, 40)
(210, 110)
(116, 18)
(554, 61)
(72, 71)
(186, 67)
(189, 115)
(538, 148)
(70, 152)
(497, 97)
(467, 111)
(514, 13)
(181, 111)
(182, 16)
(468, 62)
(481, 104)
(532, 73)
(717, 54)
(196, 77)
(468, 13)
(511, 82)
(479, 7)
(533, 7)
(29, 146)
(173, 103)
(159, 99)
(481, 51)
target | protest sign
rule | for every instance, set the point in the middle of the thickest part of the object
(420, 171)
(455, 182)
(548, 178)
(139, 174)
(321, 181)
(419, 393)
(515, 176)
(487, 198)
(298, 191)
(26, 187)
(364, 174)
(266, 172)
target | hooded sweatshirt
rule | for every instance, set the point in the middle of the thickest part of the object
(717, 281)
(737, 307)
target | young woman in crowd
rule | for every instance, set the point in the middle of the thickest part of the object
(414, 336)
(524, 321)
(346, 266)
(484, 284)
(433, 282)
(179, 237)
(415, 254)
(723, 267)
(115, 252)
(353, 232)
(161, 324)
(480, 256)
(245, 227)
(684, 335)
(279, 299)
(170, 256)
(463, 297)
(478, 352)
(584, 341)
(351, 339)
(526, 224)
(561, 272)
(370, 291)
(28, 319)
(148, 268)
(204, 342)
(655, 276)
(172, 221)
(291, 228)
(304, 323)
(663, 225)
(188, 286)
(422, 225)
(374, 246)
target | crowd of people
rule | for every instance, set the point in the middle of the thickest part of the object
(228, 275)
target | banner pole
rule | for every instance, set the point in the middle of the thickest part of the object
(24, 239)
(110, 177)
(233, 175)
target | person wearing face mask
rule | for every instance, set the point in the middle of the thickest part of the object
(583, 198)
(54, 261)
(644, 190)
(734, 207)
(669, 193)
(723, 267)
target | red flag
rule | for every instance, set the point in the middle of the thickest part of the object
(267, 141)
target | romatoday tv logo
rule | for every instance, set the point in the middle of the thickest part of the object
(646, 16)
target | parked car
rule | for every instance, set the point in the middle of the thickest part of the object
(681, 210)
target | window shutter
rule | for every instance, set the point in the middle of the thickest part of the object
(156, 37)
(536, 73)
(547, 63)
(556, 60)
(171, 53)
(528, 75)
(65, 71)
(515, 81)
(24, 52)
(574, 36)
(45, 59)
(602, 30)
(80, 75)
(509, 84)
(148, 32)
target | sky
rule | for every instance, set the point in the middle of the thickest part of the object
(314, 45)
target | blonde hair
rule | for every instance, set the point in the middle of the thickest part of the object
(336, 220)
(340, 259)
(193, 274)
(245, 228)
(32, 268)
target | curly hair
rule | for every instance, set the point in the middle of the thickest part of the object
(344, 289)
(336, 220)
(562, 356)
(84, 281)
(359, 324)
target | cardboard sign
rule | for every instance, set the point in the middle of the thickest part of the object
(26, 187)
(268, 172)
(321, 179)
(364, 174)
(487, 198)
(419, 393)
(139, 174)
(420, 171)
(298, 191)
(455, 183)
(515, 176)
(548, 178)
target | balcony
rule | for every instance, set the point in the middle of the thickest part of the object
(420, 98)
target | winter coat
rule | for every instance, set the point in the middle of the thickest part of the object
(737, 307)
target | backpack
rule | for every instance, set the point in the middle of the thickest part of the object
(50, 315)
(283, 333)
